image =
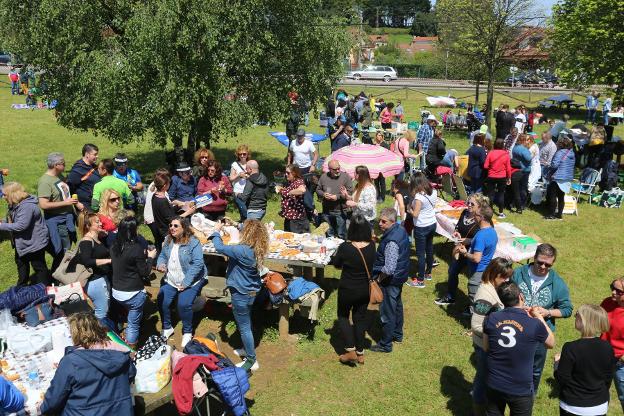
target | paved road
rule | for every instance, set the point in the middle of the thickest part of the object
(437, 84)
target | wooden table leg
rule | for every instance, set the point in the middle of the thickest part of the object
(307, 273)
(284, 311)
(320, 274)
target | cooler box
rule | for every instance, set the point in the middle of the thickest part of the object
(525, 244)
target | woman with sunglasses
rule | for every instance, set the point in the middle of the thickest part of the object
(364, 198)
(182, 261)
(201, 159)
(293, 210)
(164, 210)
(585, 367)
(547, 293)
(243, 281)
(465, 231)
(110, 211)
(614, 305)
(131, 264)
(238, 177)
(486, 301)
(217, 185)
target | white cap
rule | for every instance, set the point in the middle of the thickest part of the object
(432, 117)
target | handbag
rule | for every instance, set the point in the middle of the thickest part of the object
(38, 312)
(275, 282)
(80, 274)
(374, 291)
(74, 304)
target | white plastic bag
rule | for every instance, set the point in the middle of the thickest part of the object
(23, 341)
(153, 373)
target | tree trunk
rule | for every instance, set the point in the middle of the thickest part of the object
(193, 143)
(490, 98)
(477, 90)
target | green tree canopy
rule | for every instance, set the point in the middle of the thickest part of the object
(587, 42)
(174, 68)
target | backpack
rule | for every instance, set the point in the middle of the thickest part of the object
(609, 179)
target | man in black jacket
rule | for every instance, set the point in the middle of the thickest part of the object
(504, 122)
(84, 175)
(255, 193)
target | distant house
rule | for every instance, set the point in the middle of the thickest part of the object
(419, 44)
(527, 48)
(363, 50)
(378, 40)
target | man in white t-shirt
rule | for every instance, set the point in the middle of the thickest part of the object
(520, 119)
(303, 153)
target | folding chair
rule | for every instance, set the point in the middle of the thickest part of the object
(570, 205)
(586, 183)
(199, 403)
(447, 186)
(461, 187)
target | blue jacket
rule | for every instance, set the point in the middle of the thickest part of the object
(397, 234)
(191, 259)
(523, 155)
(342, 140)
(182, 191)
(562, 165)
(91, 382)
(11, 399)
(27, 225)
(242, 270)
(233, 383)
(81, 180)
(299, 287)
(553, 294)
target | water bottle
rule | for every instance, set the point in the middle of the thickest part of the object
(33, 377)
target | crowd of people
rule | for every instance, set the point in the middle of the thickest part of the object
(513, 312)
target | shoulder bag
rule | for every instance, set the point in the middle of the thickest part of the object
(375, 293)
(275, 282)
(80, 274)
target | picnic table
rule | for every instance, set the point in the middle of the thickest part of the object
(506, 234)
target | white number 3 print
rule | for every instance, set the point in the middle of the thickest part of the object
(509, 333)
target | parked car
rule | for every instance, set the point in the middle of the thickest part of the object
(7, 61)
(542, 79)
(387, 73)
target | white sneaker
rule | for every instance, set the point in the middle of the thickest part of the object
(240, 352)
(244, 364)
(186, 338)
(166, 333)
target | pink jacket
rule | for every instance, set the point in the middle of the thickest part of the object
(207, 185)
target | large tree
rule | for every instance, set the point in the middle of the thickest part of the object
(587, 42)
(393, 13)
(480, 31)
(169, 69)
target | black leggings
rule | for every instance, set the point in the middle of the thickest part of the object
(380, 186)
(519, 188)
(38, 263)
(555, 198)
(355, 302)
(496, 192)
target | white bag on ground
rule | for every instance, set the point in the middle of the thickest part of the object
(153, 373)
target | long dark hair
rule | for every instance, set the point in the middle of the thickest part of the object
(363, 179)
(419, 184)
(126, 235)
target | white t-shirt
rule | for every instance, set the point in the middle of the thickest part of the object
(536, 281)
(302, 153)
(175, 275)
(238, 185)
(520, 122)
(148, 213)
(426, 216)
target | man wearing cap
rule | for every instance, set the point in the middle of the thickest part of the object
(425, 134)
(128, 175)
(303, 153)
(183, 185)
(482, 130)
(334, 204)
(105, 169)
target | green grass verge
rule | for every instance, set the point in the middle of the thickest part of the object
(430, 372)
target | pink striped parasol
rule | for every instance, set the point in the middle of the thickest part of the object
(376, 158)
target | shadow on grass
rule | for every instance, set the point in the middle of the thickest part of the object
(554, 388)
(456, 388)
(443, 252)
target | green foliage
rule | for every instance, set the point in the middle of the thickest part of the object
(165, 69)
(587, 41)
(424, 24)
(393, 13)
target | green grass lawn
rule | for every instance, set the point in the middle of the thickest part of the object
(431, 371)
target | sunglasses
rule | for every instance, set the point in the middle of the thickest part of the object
(543, 264)
(288, 173)
(174, 225)
(471, 204)
(618, 292)
(203, 157)
(116, 199)
(335, 170)
(242, 154)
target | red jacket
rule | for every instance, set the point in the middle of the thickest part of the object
(207, 185)
(498, 164)
(616, 330)
(182, 380)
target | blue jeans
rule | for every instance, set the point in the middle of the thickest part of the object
(423, 237)
(337, 225)
(479, 384)
(15, 87)
(618, 380)
(591, 115)
(391, 313)
(605, 114)
(256, 215)
(241, 307)
(134, 305)
(242, 208)
(168, 294)
(97, 289)
(453, 275)
(538, 365)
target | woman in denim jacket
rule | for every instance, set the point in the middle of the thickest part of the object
(182, 261)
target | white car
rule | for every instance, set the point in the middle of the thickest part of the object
(386, 73)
